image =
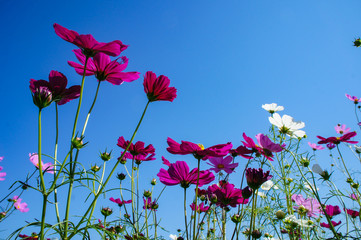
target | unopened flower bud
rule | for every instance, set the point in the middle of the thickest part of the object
(357, 42)
(42, 97)
(214, 198)
(153, 182)
(227, 209)
(127, 216)
(287, 166)
(355, 185)
(236, 218)
(24, 186)
(147, 194)
(122, 160)
(106, 211)
(105, 156)
(280, 214)
(119, 229)
(2, 215)
(121, 176)
(302, 210)
(256, 234)
(349, 180)
(155, 206)
(202, 197)
(77, 142)
(95, 168)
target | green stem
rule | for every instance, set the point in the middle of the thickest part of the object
(195, 212)
(55, 161)
(111, 173)
(155, 225)
(90, 110)
(132, 189)
(224, 224)
(185, 212)
(146, 217)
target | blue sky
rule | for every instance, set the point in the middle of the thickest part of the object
(226, 60)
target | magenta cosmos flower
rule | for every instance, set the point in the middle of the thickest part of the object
(178, 173)
(56, 88)
(312, 206)
(338, 140)
(138, 159)
(315, 147)
(341, 129)
(256, 177)
(352, 213)
(103, 68)
(119, 202)
(332, 210)
(355, 99)
(149, 204)
(198, 150)
(325, 225)
(47, 167)
(21, 206)
(137, 148)
(220, 163)
(200, 208)
(265, 146)
(157, 88)
(88, 44)
(227, 194)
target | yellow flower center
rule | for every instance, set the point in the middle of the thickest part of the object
(220, 166)
(201, 146)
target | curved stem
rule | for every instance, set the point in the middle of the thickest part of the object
(90, 110)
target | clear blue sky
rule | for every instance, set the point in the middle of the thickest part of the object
(225, 58)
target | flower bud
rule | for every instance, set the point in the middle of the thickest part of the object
(122, 160)
(105, 156)
(305, 162)
(280, 214)
(153, 182)
(77, 142)
(357, 42)
(121, 176)
(126, 216)
(355, 185)
(42, 97)
(256, 234)
(106, 211)
(24, 187)
(95, 168)
(227, 209)
(147, 194)
(155, 206)
(349, 180)
(2, 215)
(236, 218)
(119, 229)
(214, 198)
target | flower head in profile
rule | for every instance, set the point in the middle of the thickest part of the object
(55, 90)
(220, 163)
(332, 210)
(198, 150)
(119, 202)
(226, 194)
(341, 129)
(149, 204)
(316, 168)
(47, 167)
(256, 177)
(352, 213)
(272, 108)
(309, 206)
(88, 44)
(200, 208)
(2, 174)
(334, 224)
(137, 148)
(157, 88)
(315, 147)
(354, 197)
(287, 125)
(337, 140)
(138, 159)
(21, 206)
(355, 99)
(103, 68)
(178, 173)
(267, 185)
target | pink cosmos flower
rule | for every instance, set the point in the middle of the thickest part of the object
(2, 174)
(140, 157)
(157, 89)
(226, 194)
(312, 206)
(220, 163)
(119, 202)
(256, 177)
(88, 44)
(21, 206)
(198, 150)
(325, 225)
(332, 210)
(341, 129)
(178, 173)
(200, 208)
(57, 87)
(315, 147)
(354, 196)
(338, 140)
(352, 213)
(151, 205)
(47, 167)
(166, 162)
(137, 148)
(103, 68)
(355, 99)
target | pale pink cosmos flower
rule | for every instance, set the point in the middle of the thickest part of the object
(341, 129)
(315, 147)
(220, 163)
(355, 99)
(21, 206)
(47, 167)
(2, 174)
(354, 196)
(312, 206)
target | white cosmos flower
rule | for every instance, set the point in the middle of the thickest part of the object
(306, 185)
(173, 237)
(301, 222)
(261, 194)
(272, 107)
(317, 169)
(287, 125)
(268, 185)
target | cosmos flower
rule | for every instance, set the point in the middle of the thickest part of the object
(88, 44)
(47, 167)
(300, 222)
(311, 205)
(337, 140)
(149, 204)
(326, 225)
(165, 162)
(315, 147)
(220, 163)
(137, 148)
(354, 196)
(268, 185)
(103, 68)
(272, 108)
(157, 88)
(138, 159)
(21, 206)
(332, 210)
(198, 150)
(256, 177)
(352, 213)
(226, 195)
(119, 202)
(341, 129)
(178, 173)
(355, 99)
(200, 208)
(2, 174)
(287, 125)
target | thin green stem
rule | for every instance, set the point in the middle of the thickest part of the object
(185, 212)
(195, 215)
(90, 110)
(56, 204)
